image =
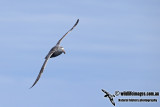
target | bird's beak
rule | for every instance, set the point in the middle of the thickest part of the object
(64, 52)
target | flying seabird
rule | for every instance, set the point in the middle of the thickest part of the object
(109, 96)
(55, 51)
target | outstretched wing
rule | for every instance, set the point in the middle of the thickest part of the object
(105, 91)
(112, 101)
(68, 32)
(42, 68)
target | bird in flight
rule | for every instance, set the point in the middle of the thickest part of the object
(109, 96)
(55, 51)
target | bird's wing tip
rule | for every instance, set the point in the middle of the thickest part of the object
(30, 87)
(77, 21)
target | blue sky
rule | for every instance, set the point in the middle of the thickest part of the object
(115, 46)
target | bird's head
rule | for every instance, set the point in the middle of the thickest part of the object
(62, 50)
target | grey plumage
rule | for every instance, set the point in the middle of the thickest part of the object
(109, 96)
(55, 51)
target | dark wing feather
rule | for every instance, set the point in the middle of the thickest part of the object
(68, 32)
(42, 68)
(112, 101)
(105, 91)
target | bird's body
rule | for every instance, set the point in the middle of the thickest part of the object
(109, 96)
(54, 52)
(59, 51)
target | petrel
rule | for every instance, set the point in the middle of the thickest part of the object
(109, 96)
(55, 51)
